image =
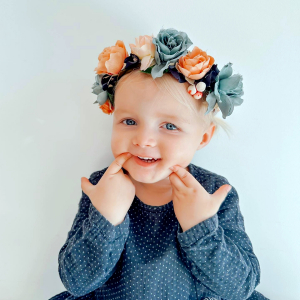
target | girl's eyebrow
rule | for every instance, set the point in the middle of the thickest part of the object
(179, 118)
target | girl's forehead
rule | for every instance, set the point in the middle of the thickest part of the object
(143, 95)
(147, 95)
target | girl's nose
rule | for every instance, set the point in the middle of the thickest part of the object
(144, 138)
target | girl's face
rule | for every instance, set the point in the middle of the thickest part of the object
(150, 123)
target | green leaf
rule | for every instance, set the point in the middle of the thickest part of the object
(111, 98)
(148, 70)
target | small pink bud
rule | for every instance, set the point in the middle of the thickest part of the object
(198, 95)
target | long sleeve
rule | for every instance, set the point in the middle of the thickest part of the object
(220, 252)
(92, 249)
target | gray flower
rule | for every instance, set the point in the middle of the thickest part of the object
(170, 46)
(227, 91)
(97, 90)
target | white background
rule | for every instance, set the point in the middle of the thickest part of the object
(52, 134)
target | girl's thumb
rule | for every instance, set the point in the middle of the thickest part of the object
(86, 185)
(222, 193)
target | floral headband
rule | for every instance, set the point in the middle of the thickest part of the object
(168, 53)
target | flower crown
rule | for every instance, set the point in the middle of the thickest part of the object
(168, 53)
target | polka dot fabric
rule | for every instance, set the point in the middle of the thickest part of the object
(149, 257)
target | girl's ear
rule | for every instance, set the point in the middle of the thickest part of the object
(207, 135)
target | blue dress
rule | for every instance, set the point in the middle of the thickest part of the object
(148, 256)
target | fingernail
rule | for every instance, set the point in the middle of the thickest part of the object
(228, 189)
(171, 168)
(129, 154)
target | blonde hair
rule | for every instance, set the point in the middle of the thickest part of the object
(168, 83)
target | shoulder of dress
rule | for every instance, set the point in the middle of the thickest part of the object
(205, 176)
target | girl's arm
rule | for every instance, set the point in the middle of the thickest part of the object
(92, 249)
(219, 251)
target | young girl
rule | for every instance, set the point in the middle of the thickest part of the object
(153, 225)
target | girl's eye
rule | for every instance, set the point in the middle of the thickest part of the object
(176, 128)
(126, 120)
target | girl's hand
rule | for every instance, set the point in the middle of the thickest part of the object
(113, 195)
(192, 203)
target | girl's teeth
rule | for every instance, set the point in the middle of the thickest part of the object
(148, 160)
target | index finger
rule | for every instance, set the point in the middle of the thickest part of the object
(117, 164)
(187, 178)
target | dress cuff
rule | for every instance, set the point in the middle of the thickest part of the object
(108, 230)
(192, 235)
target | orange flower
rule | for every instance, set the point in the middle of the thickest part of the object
(195, 64)
(111, 59)
(107, 108)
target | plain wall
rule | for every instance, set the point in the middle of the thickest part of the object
(52, 134)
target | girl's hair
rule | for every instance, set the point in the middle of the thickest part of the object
(168, 83)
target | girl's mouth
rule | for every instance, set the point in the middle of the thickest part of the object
(146, 163)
